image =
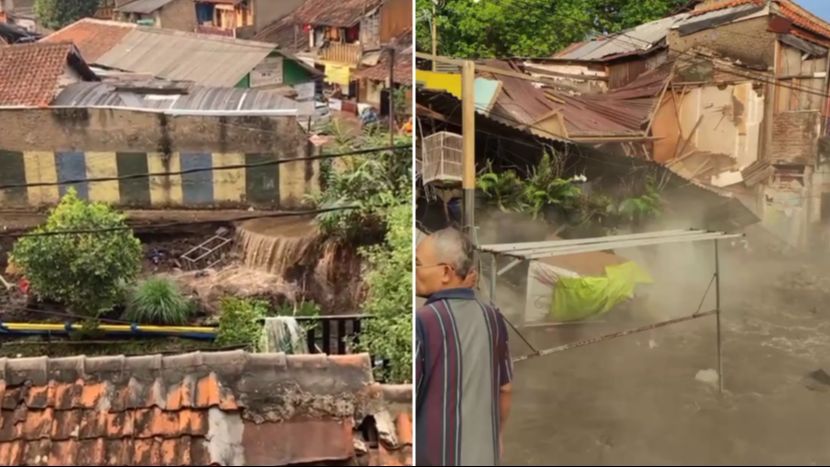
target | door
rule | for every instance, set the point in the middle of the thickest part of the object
(13, 172)
(71, 166)
(262, 182)
(133, 191)
(197, 187)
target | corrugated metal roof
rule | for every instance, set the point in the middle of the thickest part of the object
(637, 39)
(205, 59)
(85, 94)
(343, 13)
(711, 18)
(142, 6)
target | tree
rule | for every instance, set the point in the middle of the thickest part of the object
(55, 14)
(85, 271)
(529, 28)
(389, 333)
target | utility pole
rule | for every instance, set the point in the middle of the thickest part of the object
(468, 129)
(434, 36)
(391, 96)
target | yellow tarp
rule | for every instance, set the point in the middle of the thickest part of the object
(337, 74)
(577, 298)
(450, 82)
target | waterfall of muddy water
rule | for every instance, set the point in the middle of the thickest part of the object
(275, 245)
(283, 334)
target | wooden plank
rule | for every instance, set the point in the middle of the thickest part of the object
(543, 71)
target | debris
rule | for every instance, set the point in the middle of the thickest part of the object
(386, 428)
(652, 344)
(818, 381)
(708, 376)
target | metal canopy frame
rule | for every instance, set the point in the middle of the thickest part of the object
(528, 251)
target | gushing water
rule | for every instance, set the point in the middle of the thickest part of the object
(272, 250)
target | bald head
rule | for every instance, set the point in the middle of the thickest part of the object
(444, 260)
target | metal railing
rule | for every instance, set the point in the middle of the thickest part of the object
(331, 334)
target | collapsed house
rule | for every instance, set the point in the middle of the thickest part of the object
(729, 96)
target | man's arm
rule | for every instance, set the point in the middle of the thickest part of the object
(505, 377)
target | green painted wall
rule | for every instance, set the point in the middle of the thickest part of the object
(293, 73)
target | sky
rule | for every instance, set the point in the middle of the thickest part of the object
(817, 7)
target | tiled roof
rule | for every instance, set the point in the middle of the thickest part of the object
(30, 73)
(722, 4)
(92, 37)
(225, 408)
(345, 13)
(803, 18)
(286, 33)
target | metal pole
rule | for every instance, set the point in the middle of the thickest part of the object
(493, 276)
(434, 37)
(468, 115)
(717, 312)
(391, 96)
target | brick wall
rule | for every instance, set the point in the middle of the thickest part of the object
(748, 41)
(49, 145)
(795, 138)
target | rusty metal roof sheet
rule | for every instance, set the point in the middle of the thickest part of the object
(638, 39)
(519, 102)
(205, 59)
(343, 13)
(622, 112)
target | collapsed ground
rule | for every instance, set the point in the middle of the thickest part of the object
(641, 399)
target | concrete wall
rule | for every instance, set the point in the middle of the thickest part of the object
(49, 145)
(746, 40)
(268, 11)
(179, 15)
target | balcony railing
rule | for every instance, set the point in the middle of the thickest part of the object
(347, 54)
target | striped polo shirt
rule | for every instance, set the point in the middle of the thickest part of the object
(462, 360)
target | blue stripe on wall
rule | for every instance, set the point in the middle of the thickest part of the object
(71, 165)
(197, 188)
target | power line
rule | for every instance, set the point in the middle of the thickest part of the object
(206, 169)
(181, 224)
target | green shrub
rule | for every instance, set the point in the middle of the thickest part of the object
(159, 301)
(239, 322)
(388, 334)
(81, 270)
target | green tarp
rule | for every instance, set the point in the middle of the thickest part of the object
(577, 298)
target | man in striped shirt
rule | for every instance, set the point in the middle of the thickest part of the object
(463, 370)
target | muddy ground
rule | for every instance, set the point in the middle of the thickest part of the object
(636, 400)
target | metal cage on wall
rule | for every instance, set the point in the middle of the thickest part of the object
(442, 157)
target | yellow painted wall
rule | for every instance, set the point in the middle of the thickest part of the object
(228, 185)
(167, 190)
(99, 165)
(292, 183)
(40, 167)
(450, 82)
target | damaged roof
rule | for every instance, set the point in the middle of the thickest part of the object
(222, 408)
(30, 74)
(639, 39)
(176, 55)
(346, 13)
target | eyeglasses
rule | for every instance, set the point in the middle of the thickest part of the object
(432, 266)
